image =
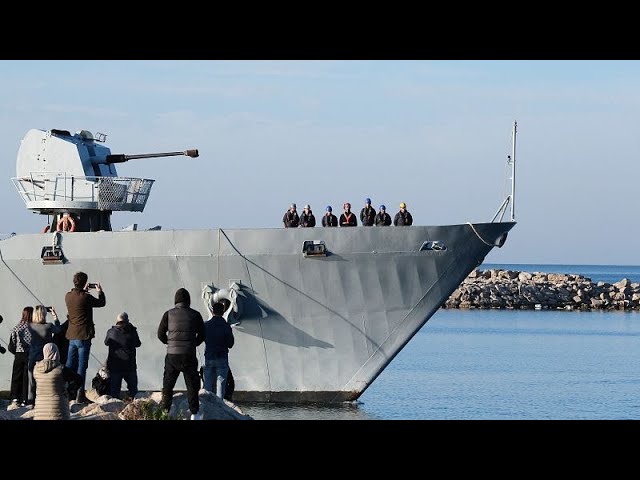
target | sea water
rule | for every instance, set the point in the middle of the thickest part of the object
(504, 365)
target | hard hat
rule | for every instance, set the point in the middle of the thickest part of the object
(367, 201)
(293, 205)
(382, 207)
(329, 208)
(307, 207)
(403, 205)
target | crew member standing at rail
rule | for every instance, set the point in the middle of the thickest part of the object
(347, 218)
(403, 217)
(291, 218)
(383, 219)
(368, 214)
(307, 219)
(329, 219)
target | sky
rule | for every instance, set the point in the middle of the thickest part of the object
(435, 134)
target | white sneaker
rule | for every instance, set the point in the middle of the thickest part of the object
(196, 416)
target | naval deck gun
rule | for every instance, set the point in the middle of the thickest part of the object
(73, 179)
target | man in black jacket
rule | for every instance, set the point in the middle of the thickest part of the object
(122, 340)
(368, 214)
(218, 340)
(182, 330)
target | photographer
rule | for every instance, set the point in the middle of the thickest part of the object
(81, 330)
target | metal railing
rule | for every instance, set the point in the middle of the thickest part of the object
(57, 189)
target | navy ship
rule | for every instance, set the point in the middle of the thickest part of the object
(317, 313)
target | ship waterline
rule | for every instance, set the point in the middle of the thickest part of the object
(318, 326)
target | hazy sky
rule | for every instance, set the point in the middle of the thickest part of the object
(432, 133)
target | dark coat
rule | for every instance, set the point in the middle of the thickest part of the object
(122, 340)
(329, 220)
(308, 220)
(291, 219)
(80, 305)
(403, 219)
(368, 216)
(218, 337)
(383, 219)
(348, 220)
(181, 329)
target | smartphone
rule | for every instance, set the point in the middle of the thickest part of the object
(49, 309)
(92, 285)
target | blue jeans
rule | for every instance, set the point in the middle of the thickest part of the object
(78, 358)
(115, 382)
(216, 368)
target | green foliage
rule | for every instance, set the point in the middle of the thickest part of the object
(150, 410)
(145, 410)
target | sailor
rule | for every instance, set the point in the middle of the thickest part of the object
(307, 219)
(368, 214)
(403, 217)
(291, 218)
(329, 219)
(347, 218)
(383, 219)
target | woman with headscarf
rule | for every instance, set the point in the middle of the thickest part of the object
(52, 402)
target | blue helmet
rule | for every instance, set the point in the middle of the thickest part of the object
(367, 201)
(329, 208)
(382, 207)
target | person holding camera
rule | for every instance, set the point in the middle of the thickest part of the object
(41, 333)
(81, 330)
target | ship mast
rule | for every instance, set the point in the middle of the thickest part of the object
(513, 173)
(511, 198)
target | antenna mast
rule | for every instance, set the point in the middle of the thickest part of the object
(513, 173)
(511, 198)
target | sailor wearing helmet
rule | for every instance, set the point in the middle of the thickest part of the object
(368, 214)
(307, 219)
(347, 218)
(403, 217)
(383, 219)
(329, 219)
(291, 218)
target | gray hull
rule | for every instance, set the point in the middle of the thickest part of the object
(317, 329)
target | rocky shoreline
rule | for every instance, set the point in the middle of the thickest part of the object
(516, 290)
(145, 406)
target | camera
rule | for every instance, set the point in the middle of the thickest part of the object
(92, 285)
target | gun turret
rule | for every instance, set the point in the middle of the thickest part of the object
(59, 173)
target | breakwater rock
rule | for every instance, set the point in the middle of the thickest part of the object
(145, 406)
(509, 289)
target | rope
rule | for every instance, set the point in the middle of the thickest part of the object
(481, 239)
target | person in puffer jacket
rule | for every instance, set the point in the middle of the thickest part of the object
(51, 377)
(181, 329)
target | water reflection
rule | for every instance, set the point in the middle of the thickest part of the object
(310, 411)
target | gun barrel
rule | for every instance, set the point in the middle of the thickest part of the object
(119, 158)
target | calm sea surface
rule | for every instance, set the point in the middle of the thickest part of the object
(505, 365)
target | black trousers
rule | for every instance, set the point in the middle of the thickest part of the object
(20, 377)
(187, 364)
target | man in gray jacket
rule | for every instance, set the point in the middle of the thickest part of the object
(182, 330)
